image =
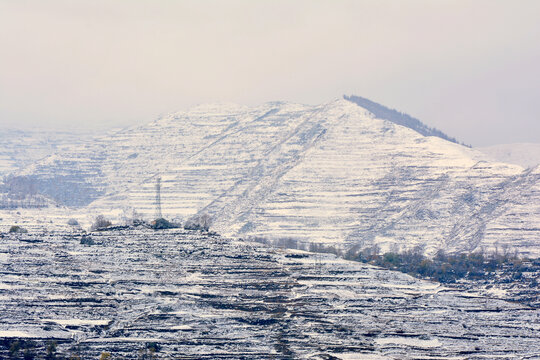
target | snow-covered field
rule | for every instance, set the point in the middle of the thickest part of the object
(196, 296)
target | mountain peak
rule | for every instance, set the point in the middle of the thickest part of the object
(383, 112)
(334, 173)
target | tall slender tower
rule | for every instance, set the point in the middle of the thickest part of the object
(158, 199)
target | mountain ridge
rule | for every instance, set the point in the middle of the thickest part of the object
(397, 117)
(331, 173)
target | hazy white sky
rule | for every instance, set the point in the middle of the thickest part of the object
(469, 68)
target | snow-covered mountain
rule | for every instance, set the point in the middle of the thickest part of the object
(397, 117)
(331, 173)
(20, 148)
(523, 154)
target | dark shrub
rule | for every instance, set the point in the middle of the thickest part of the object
(87, 240)
(17, 229)
(161, 223)
(153, 347)
(51, 351)
(29, 355)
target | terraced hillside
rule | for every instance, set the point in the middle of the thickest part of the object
(330, 173)
(21, 148)
(189, 295)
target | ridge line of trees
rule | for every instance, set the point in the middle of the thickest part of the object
(397, 117)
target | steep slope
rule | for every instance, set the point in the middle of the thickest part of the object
(382, 112)
(331, 173)
(370, 181)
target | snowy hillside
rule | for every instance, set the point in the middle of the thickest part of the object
(382, 112)
(523, 154)
(20, 148)
(331, 173)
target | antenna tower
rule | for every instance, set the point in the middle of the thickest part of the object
(158, 199)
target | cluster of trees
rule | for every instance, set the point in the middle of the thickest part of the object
(199, 222)
(20, 192)
(23, 202)
(444, 268)
(18, 186)
(32, 350)
(28, 350)
(447, 268)
(382, 112)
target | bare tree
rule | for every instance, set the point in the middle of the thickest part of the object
(205, 221)
(199, 222)
(100, 223)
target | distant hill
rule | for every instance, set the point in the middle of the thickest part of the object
(382, 112)
(523, 154)
(20, 148)
(331, 173)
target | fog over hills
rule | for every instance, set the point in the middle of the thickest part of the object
(523, 154)
(334, 173)
(21, 148)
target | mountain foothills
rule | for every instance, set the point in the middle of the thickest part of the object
(338, 173)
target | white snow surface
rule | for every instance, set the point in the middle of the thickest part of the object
(329, 173)
(409, 342)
